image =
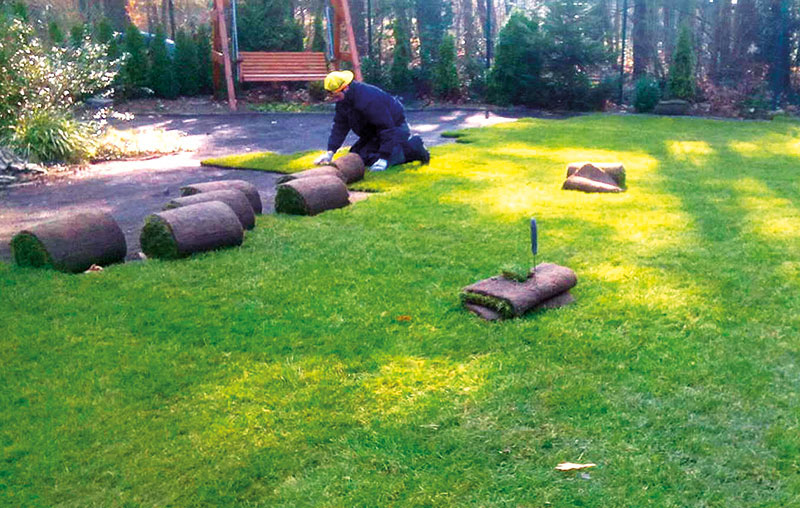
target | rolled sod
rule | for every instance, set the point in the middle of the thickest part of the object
(615, 170)
(248, 188)
(189, 229)
(234, 198)
(351, 166)
(71, 244)
(589, 178)
(310, 196)
(308, 173)
(510, 298)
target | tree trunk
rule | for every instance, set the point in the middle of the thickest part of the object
(669, 31)
(642, 53)
(116, 14)
(721, 43)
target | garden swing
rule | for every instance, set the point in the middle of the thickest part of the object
(262, 66)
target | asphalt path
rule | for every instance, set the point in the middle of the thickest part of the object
(131, 190)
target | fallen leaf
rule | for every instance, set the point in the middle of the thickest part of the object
(571, 466)
(404, 318)
(94, 268)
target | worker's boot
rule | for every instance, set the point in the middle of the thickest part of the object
(415, 150)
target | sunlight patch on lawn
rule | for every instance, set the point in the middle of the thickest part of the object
(404, 382)
(652, 288)
(770, 216)
(631, 160)
(695, 152)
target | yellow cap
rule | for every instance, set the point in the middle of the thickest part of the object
(336, 80)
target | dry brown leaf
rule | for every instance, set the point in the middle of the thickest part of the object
(404, 318)
(571, 466)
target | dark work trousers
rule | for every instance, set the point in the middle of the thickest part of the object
(368, 148)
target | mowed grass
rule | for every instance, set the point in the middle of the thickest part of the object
(327, 361)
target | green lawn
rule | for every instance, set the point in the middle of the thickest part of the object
(327, 362)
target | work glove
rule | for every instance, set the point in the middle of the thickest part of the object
(379, 165)
(325, 158)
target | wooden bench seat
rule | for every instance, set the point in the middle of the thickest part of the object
(258, 66)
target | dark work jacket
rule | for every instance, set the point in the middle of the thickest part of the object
(370, 113)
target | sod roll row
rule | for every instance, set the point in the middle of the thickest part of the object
(310, 196)
(189, 229)
(71, 244)
(247, 188)
(348, 168)
(234, 198)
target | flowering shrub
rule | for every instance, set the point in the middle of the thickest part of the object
(40, 87)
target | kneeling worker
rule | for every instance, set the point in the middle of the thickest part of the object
(377, 118)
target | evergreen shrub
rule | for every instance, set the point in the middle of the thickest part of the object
(187, 65)
(162, 75)
(446, 83)
(681, 82)
(648, 93)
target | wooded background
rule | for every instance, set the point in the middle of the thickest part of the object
(745, 47)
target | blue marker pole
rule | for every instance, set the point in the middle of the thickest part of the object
(534, 243)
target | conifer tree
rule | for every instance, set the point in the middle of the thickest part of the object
(134, 71)
(186, 64)
(446, 74)
(681, 82)
(162, 76)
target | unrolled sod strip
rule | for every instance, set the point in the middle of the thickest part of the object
(308, 173)
(72, 243)
(248, 188)
(189, 229)
(310, 196)
(615, 170)
(234, 198)
(351, 166)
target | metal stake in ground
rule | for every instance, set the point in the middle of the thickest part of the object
(534, 244)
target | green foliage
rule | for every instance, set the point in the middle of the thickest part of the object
(103, 33)
(202, 39)
(446, 83)
(77, 34)
(400, 75)
(40, 86)
(162, 75)
(573, 53)
(433, 17)
(187, 64)
(318, 39)
(374, 73)
(515, 77)
(681, 83)
(648, 93)
(55, 34)
(46, 135)
(268, 25)
(134, 73)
